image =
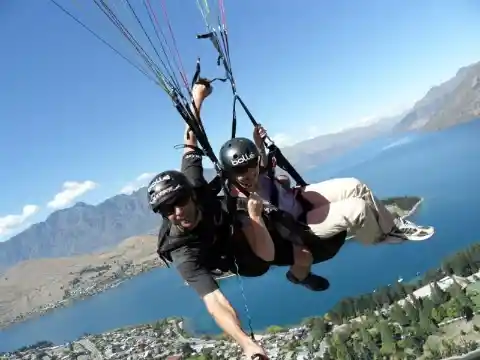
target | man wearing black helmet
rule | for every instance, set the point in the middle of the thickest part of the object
(197, 237)
(332, 206)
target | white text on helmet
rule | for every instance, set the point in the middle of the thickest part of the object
(152, 186)
(244, 158)
(154, 198)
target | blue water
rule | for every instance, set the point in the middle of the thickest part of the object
(442, 167)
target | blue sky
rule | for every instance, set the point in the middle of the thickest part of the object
(74, 116)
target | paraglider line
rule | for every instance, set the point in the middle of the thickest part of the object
(158, 31)
(105, 42)
(182, 73)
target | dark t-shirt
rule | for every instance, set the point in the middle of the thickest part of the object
(206, 251)
(212, 245)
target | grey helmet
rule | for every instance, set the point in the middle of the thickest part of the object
(167, 189)
(238, 154)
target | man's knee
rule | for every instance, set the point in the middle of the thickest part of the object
(335, 190)
(352, 184)
(353, 187)
(355, 212)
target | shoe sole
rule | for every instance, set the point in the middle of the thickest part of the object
(430, 233)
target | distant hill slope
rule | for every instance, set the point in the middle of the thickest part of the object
(453, 102)
(34, 283)
(313, 152)
(81, 229)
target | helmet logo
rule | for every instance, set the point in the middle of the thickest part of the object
(157, 181)
(244, 158)
(157, 195)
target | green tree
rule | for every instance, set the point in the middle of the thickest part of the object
(342, 350)
(411, 312)
(400, 291)
(465, 300)
(398, 314)
(438, 296)
(388, 342)
(207, 353)
(447, 269)
(319, 329)
(439, 314)
(455, 289)
(186, 349)
(426, 323)
(274, 329)
(415, 343)
(368, 341)
(453, 308)
(335, 317)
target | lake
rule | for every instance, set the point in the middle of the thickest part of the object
(442, 167)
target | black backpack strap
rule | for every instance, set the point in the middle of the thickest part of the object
(271, 175)
(162, 235)
(216, 185)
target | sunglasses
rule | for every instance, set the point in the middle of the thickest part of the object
(168, 209)
(244, 169)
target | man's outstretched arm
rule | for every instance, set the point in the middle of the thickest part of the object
(192, 158)
(226, 318)
(201, 280)
(199, 94)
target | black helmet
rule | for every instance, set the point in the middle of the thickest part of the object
(167, 188)
(239, 153)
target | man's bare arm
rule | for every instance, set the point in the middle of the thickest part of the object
(200, 92)
(258, 237)
(226, 318)
(190, 140)
(263, 156)
(259, 134)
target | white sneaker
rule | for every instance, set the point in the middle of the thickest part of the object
(408, 231)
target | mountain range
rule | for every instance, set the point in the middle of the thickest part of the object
(85, 228)
(454, 102)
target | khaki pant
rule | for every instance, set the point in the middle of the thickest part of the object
(347, 204)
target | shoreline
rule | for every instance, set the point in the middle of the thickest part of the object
(414, 208)
(283, 340)
(276, 343)
(48, 308)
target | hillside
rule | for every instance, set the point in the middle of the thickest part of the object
(33, 284)
(313, 152)
(453, 102)
(82, 229)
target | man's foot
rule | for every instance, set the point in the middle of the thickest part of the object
(406, 230)
(311, 282)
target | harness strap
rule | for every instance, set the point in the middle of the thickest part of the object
(164, 229)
